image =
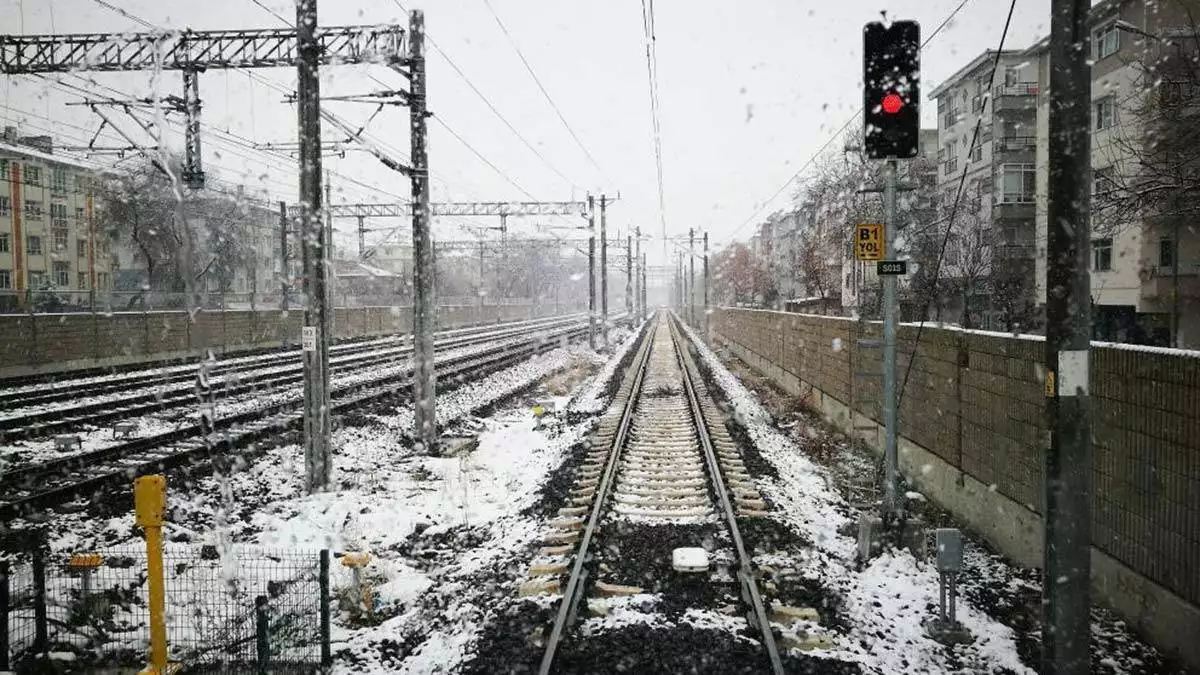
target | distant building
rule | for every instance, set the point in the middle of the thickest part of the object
(991, 247)
(51, 248)
(1145, 269)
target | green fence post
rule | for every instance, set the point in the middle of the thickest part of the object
(326, 655)
(261, 635)
(3, 615)
(41, 633)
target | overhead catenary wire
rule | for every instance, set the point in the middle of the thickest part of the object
(836, 135)
(542, 88)
(491, 106)
(656, 126)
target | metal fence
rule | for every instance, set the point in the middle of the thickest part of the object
(240, 610)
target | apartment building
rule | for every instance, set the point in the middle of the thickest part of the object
(50, 244)
(1145, 272)
(990, 251)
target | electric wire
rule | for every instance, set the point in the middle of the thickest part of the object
(652, 77)
(542, 88)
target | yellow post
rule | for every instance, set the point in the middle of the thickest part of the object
(150, 503)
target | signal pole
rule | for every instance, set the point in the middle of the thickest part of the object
(643, 285)
(284, 273)
(604, 269)
(424, 319)
(892, 509)
(314, 343)
(592, 272)
(1066, 593)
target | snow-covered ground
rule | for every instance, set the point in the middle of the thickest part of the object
(403, 508)
(886, 602)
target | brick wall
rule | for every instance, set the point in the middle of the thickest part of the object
(52, 342)
(976, 401)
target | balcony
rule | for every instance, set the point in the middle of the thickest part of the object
(1016, 149)
(1019, 97)
(1158, 283)
(1007, 210)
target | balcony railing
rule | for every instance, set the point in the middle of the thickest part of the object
(1016, 143)
(1018, 89)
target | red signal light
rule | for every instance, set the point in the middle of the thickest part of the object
(892, 103)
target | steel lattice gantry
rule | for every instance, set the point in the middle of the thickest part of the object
(192, 52)
(502, 209)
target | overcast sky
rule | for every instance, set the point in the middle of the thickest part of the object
(749, 89)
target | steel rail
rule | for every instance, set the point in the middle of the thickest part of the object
(574, 590)
(281, 419)
(750, 591)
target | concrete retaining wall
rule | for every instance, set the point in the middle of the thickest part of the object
(971, 426)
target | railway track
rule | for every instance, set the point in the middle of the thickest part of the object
(30, 415)
(657, 511)
(31, 488)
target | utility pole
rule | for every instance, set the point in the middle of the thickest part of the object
(284, 273)
(1066, 593)
(891, 470)
(592, 272)
(629, 277)
(330, 273)
(362, 237)
(424, 386)
(692, 276)
(315, 338)
(644, 311)
(604, 269)
(706, 286)
(640, 310)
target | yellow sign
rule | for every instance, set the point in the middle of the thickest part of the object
(868, 242)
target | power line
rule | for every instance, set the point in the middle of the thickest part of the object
(937, 268)
(545, 93)
(491, 106)
(485, 160)
(837, 134)
(652, 77)
(271, 11)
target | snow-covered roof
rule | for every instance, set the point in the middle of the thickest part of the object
(50, 158)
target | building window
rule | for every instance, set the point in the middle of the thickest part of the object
(5, 206)
(58, 179)
(62, 274)
(33, 176)
(33, 208)
(1107, 41)
(83, 281)
(1166, 252)
(1104, 114)
(79, 215)
(1019, 183)
(5, 279)
(102, 280)
(58, 212)
(81, 248)
(4, 169)
(4, 245)
(977, 153)
(60, 234)
(1102, 254)
(37, 280)
(33, 245)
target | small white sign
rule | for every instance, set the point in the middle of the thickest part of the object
(308, 338)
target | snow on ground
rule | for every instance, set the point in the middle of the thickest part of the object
(21, 452)
(884, 603)
(591, 397)
(387, 499)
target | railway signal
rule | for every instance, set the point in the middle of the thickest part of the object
(891, 89)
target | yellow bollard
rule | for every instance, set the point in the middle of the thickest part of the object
(150, 503)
